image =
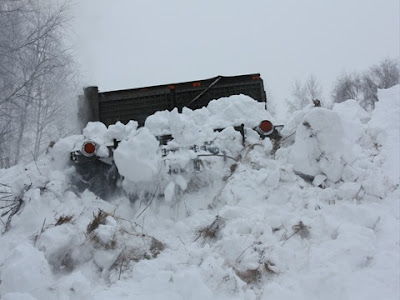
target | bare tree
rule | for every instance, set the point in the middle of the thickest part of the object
(381, 76)
(34, 67)
(369, 90)
(304, 94)
(386, 74)
(348, 86)
(364, 88)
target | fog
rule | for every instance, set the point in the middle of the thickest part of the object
(125, 44)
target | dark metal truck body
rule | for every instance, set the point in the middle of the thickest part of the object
(139, 103)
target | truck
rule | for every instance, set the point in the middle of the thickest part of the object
(139, 103)
(100, 174)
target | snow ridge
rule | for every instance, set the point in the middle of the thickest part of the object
(317, 219)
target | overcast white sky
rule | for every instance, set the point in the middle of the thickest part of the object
(131, 43)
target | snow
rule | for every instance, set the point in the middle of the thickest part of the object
(190, 126)
(136, 157)
(317, 219)
(385, 128)
(27, 270)
(319, 145)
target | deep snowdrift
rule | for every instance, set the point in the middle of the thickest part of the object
(317, 219)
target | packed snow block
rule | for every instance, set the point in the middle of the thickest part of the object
(319, 146)
(319, 180)
(119, 131)
(105, 234)
(348, 190)
(136, 158)
(158, 123)
(375, 183)
(231, 140)
(95, 131)
(183, 128)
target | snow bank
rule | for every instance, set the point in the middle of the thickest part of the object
(318, 219)
(384, 127)
(339, 144)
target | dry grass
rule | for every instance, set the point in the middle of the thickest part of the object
(275, 229)
(302, 230)
(98, 219)
(64, 219)
(299, 228)
(10, 208)
(210, 232)
(137, 254)
(111, 245)
(306, 124)
(128, 255)
(270, 268)
(249, 276)
(275, 146)
(156, 247)
(253, 276)
(232, 171)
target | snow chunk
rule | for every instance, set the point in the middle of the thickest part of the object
(106, 232)
(318, 180)
(183, 128)
(136, 158)
(349, 190)
(96, 131)
(319, 146)
(120, 131)
(158, 123)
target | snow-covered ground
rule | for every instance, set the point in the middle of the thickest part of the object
(317, 219)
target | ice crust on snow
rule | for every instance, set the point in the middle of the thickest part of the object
(338, 174)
